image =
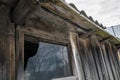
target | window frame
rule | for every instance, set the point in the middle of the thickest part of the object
(22, 32)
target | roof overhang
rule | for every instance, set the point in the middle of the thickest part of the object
(63, 10)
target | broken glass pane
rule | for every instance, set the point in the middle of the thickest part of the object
(50, 61)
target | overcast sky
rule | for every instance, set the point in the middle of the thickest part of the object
(106, 12)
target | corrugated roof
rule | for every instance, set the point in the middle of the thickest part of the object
(89, 17)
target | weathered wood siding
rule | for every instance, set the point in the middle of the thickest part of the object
(7, 44)
(95, 59)
(99, 60)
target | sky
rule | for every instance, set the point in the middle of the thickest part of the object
(106, 12)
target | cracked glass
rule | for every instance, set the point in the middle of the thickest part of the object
(50, 61)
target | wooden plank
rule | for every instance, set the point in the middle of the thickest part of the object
(118, 55)
(45, 36)
(115, 54)
(84, 59)
(66, 78)
(12, 51)
(117, 69)
(90, 60)
(7, 55)
(104, 74)
(107, 63)
(95, 46)
(19, 55)
(7, 44)
(88, 33)
(80, 74)
(105, 71)
(112, 62)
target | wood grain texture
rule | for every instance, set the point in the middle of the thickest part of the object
(54, 22)
(99, 60)
(7, 45)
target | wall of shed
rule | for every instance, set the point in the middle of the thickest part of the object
(99, 61)
(7, 44)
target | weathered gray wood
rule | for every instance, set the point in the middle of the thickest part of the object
(79, 70)
(107, 63)
(55, 37)
(96, 63)
(95, 46)
(7, 44)
(19, 55)
(118, 55)
(66, 78)
(88, 33)
(113, 49)
(52, 22)
(84, 58)
(109, 49)
(88, 61)
(91, 61)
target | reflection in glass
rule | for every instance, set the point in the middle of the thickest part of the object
(50, 61)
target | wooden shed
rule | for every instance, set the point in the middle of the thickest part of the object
(50, 40)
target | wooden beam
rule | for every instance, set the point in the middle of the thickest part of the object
(88, 33)
(19, 55)
(106, 39)
(45, 36)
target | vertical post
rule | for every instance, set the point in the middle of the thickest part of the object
(119, 55)
(19, 54)
(7, 44)
(76, 56)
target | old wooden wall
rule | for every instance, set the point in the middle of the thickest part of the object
(7, 44)
(100, 61)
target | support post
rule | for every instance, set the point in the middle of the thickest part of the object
(76, 56)
(7, 44)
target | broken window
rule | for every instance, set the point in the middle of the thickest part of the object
(45, 61)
